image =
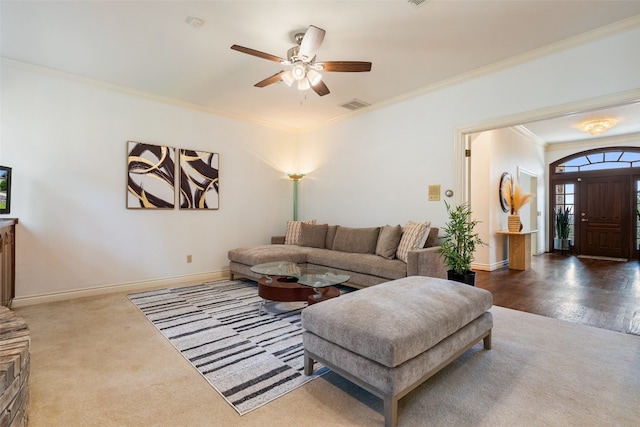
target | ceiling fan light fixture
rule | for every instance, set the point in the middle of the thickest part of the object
(597, 126)
(314, 77)
(299, 72)
(288, 78)
(303, 84)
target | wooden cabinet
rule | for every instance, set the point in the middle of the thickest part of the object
(7, 261)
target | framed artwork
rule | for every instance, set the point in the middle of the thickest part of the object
(151, 176)
(5, 190)
(505, 179)
(199, 183)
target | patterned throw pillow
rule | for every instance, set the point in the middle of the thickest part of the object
(414, 235)
(293, 231)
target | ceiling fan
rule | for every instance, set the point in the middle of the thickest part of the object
(302, 59)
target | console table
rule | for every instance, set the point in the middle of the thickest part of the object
(519, 249)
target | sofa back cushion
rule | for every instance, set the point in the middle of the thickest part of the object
(414, 236)
(331, 235)
(313, 235)
(356, 240)
(388, 241)
(432, 239)
(293, 231)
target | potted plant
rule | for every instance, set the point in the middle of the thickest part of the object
(562, 241)
(459, 244)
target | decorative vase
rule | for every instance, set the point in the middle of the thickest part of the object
(513, 223)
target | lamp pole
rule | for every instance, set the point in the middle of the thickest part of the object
(295, 177)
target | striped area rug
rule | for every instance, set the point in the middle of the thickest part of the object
(250, 359)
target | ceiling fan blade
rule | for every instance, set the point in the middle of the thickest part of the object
(270, 80)
(320, 88)
(257, 53)
(310, 44)
(345, 66)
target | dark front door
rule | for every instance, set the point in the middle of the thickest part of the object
(604, 216)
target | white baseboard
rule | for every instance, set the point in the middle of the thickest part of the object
(490, 267)
(122, 287)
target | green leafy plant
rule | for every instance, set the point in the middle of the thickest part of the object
(460, 240)
(562, 223)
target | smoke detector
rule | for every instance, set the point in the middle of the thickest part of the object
(194, 22)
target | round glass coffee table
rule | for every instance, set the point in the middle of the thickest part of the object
(287, 282)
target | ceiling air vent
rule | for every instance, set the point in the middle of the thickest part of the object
(355, 104)
(417, 2)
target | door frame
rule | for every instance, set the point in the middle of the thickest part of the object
(575, 178)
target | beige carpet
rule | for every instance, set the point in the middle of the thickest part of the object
(97, 361)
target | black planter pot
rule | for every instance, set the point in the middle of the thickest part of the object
(468, 278)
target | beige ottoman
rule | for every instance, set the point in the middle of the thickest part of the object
(391, 337)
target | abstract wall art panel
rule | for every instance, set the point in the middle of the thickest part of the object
(151, 176)
(199, 183)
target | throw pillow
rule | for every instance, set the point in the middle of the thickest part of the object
(331, 234)
(293, 231)
(356, 240)
(414, 235)
(388, 241)
(313, 235)
(432, 239)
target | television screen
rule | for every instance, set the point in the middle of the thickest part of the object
(5, 190)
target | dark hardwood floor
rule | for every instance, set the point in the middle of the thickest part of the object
(604, 294)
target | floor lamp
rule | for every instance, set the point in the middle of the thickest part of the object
(295, 177)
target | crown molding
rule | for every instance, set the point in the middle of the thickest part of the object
(619, 27)
(605, 141)
(627, 24)
(138, 93)
(528, 135)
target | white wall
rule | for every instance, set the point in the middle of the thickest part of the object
(67, 144)
(492, 153)
(66, 141)
(376, 167)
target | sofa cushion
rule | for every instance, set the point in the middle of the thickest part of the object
(432, 238)
(269, 253)
(388, 241)
(414, 236)
(293, 231)
(313, 235)
(331, 235)
(356, 240)
(358, 263)
(427, 309)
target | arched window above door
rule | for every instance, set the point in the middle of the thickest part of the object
(605, 158)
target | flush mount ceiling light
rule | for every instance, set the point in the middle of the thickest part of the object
(597, 126)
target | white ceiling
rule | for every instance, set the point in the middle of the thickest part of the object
(147, 46)
(565, 129)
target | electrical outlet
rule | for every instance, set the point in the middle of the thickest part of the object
(189, 259)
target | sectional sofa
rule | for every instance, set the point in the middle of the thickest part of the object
(369, 255)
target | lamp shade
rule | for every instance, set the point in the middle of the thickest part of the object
(314, 77)
(303, 84)
(288, 78)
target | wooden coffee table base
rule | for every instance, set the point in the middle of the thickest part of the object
(327, 293)
(285, 289)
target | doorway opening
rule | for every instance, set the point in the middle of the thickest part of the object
(601, 191)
